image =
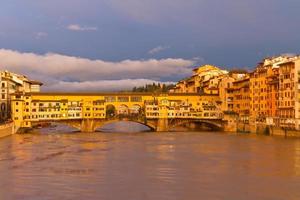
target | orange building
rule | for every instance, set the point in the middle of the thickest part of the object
(241, 99)
(258, 93)
(273, 90)
(273, 95)
(289, 105)
(226, 93)
(205, 80)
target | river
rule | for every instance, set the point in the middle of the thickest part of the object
(64, 165)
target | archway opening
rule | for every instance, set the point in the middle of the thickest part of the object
(135, 109)
(135, 112)
(124, 127)
(123, 111)
(195, 126)
(54, 128)
(111, 111)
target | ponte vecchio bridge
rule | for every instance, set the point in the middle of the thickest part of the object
(90, 111)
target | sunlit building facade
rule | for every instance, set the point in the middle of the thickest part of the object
(204, 80)
(11, 83)
(289, 102)
(241, 99)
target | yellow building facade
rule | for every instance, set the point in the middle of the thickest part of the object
(9, 84)
(32, 108)
(204, 80)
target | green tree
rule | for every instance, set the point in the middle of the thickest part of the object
(154, 87)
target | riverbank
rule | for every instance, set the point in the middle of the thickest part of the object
(6, 129)
(263, 129)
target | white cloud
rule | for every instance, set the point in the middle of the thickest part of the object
(77, 27)
(105, 85)
(158, 49)
(198, 59)
(40, 35)
(61, 70)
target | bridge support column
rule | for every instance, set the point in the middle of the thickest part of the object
(162, 125)
(88, 126)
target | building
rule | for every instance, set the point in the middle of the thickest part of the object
(241, 99)
(259, 94)
(11, 83)
(265, 82)
(180, 87)
(288, 103)
(226, 93)
(210, 107)
(204, 80)
(272, 96)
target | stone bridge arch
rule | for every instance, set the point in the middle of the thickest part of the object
(111, 110)
(100, 124)
(76, 124)
(72, 123)
(214, 124)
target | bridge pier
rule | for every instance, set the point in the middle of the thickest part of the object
(87, 126)
(90, 125)
(162, 125)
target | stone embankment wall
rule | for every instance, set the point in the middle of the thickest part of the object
(263, 129)
(6, 129)
(284, 132)
(231, 125)
(243, 127)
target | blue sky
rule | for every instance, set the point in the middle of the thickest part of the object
(161, 40)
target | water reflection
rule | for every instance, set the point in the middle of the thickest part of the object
(149, 166)
(297, 158)
(124, 127)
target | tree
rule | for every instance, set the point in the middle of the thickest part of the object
(153, 88)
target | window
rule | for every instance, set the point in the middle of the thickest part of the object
(110, 99)
(136, 99)
(123, 99)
